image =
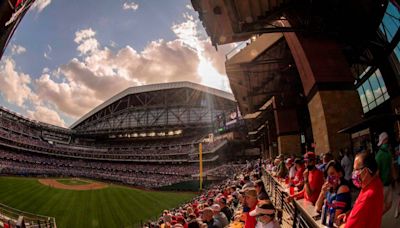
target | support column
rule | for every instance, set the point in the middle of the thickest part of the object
(287, 129)
(333, 102)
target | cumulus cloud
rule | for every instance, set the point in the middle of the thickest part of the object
(189, 7)
(100, 73)
(17, 49)
(40, 5)
(46, 115)
(14, 86)
(97, 73)
(86, 41)
(130, 6)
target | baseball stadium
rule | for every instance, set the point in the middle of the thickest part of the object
(305, 132)
(143, 138)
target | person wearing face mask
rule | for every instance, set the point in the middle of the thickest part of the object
(265, 215)
(336, 190)
(368, 208)
(313, 181)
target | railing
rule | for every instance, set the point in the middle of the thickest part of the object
(14, 217)
(299, 213)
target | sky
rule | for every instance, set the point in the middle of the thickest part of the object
(67, 57)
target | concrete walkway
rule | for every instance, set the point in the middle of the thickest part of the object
(388, 220)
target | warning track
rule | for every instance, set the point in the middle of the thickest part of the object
(55, 184)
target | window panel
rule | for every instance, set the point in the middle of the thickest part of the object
(375, 86)
(362, 96)
(368, 92)
(373, 91)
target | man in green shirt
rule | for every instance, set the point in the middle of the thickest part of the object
(384, 160)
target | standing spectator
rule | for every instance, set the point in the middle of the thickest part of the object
(298, 180)
(336, 190)
(368, 208)
(291, 168)
(327, 157)
(281, 170)
(313, 181)
(347, 164)
(384, 160)
(265, 214)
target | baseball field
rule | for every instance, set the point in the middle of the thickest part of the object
(85, 203)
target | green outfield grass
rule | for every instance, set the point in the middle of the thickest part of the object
(73, 181)
(115, 206)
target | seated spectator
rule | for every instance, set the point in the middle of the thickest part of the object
(218, 215)
(194, 224)
(313, 181)
(265, 214)
(260, 189)
(368, 208)
(336, 190)
(246, 182)
(208, 218)
(250, 203)
(224, 208)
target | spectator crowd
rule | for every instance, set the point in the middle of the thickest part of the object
(349, 191)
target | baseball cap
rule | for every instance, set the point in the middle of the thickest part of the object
(216, 207)
(263, 209)
(289, 161)
(251, 192)
(382, 137)
(309, 156)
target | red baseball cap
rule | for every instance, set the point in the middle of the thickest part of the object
(309, 156)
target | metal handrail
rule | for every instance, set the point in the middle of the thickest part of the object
(293, 215)
(30, 219)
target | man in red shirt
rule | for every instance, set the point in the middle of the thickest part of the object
(298, 177)
(368, 208)
(313, 180)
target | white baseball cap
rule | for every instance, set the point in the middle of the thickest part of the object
(382, 137)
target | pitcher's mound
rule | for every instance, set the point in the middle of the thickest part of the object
(55, 184)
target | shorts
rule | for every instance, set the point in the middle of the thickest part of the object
(388, 195)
